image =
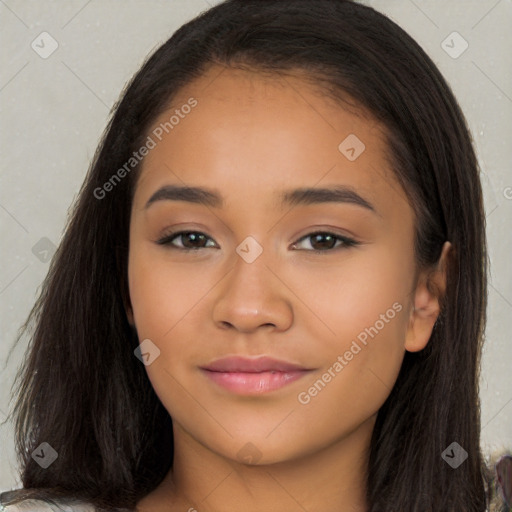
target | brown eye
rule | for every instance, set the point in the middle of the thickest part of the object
(324, 241)
(191, 240)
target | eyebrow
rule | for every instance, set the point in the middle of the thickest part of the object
(299, 196)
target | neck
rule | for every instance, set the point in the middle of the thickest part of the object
(332, 478)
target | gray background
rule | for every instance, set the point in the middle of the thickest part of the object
(55, 108)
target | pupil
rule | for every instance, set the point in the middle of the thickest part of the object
(329, 244)
(192, 237)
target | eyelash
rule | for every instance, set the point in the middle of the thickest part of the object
(346, 242)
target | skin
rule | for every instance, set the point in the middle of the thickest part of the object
(251, 136)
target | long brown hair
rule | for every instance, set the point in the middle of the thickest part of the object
(81, 389)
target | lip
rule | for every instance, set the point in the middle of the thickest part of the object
(253, 376)
(255, 365)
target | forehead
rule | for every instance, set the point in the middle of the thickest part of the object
(252, 134)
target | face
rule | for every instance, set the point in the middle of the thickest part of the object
(227, 283)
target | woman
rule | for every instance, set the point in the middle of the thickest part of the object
(272, 290)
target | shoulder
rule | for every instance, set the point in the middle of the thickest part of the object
(41, 506)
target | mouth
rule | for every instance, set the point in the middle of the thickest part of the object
(253, 376)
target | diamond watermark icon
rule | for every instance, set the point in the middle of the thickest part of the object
(249, 454)
(147, 352)
(44, 45)
(454, 455)
(454, 45)
(44, 249)
(351, 147)
(44, 455)
(249, 249)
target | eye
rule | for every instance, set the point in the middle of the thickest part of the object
(324, 241)
(320, 241)
(191, 240)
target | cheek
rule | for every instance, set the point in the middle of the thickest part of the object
(162, 293)
(368, 289)
(361, 364)
(164, 298)
(363, 308)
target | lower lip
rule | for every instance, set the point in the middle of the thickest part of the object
(254, 383)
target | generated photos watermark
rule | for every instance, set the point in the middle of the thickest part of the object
(151, 142)
(304, 397)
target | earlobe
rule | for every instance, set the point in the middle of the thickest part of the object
(430, 290)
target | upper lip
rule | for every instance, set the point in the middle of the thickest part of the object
(247, 365)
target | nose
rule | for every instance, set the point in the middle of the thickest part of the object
(251, 296)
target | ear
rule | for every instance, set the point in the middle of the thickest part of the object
(430, 288)
(124, 289)
(129, 314)
(125, 295)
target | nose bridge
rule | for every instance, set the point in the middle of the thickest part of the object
(251, 295)
(250, 276)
